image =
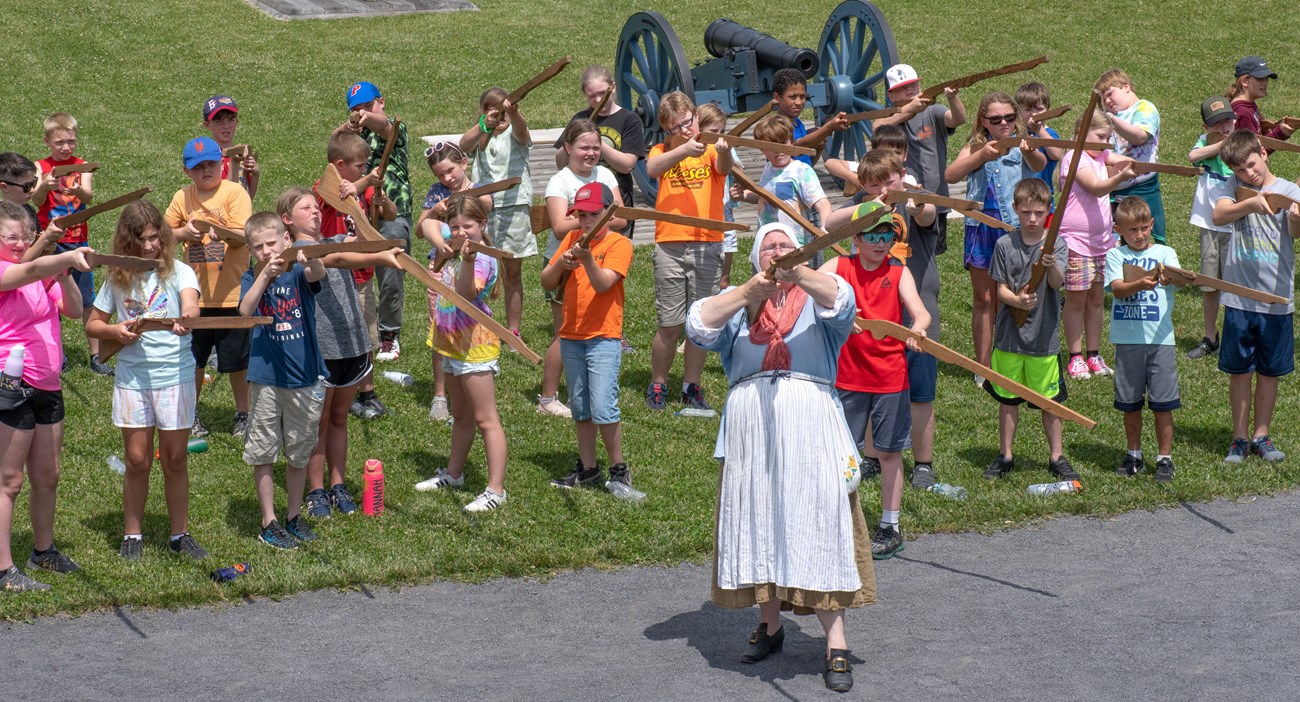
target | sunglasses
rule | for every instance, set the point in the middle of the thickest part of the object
(440, 146)
(877, 237)
(1000, 119)
(27, 187)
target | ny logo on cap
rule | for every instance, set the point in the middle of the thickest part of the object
(198, 146)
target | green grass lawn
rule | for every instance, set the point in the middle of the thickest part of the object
(136, 73)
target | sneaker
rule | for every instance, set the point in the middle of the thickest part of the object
(999, 467)
(553, 407)
(441, 480)
(198, 431)
(100, 368)
(619, 473)
(53, 561)
(14, 580)
(342, 499)
(1097, 366)
(240, 428)
(359, 410)
(870, 467)
(656, 396)
(923, 476)
(886, 542)
(318, 504)
(579, 477)
(487, 500)
(693, 398)
(389, 347)
(1238, 451)
(1264, 448)
(1164, 470)
(131, 549)
(1062, 469)
(1203, 349)
(374, 405)
(186, 545)
(438, 411)
(627, 346)
(1131, 466)
(1078, 368)
(298, 528)
(275, 536)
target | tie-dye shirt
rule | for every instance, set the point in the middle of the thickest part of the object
(457, 335)
(1141, 114)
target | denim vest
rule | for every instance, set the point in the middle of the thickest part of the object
(1004, 172)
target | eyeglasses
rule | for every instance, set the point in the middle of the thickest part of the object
(777, 248)
(684, 125)
(877, 237)
(441, 146)
(12, 240)
(27, 187)
(1001, 119)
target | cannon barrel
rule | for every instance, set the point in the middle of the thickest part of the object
(724, 35)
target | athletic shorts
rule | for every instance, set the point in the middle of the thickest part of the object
(684, 272)
(890, 415)
(170, 408)
(282, 418)
(922, 376)
(1146, 372)
(1081, 272)
(232, 345)
(43, 407)
(1214, 246)
(346, 372)
(369, 309)
(978, 246)
(1255, 342)
(1042, 374)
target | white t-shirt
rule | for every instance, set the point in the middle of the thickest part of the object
(158, 359)
(566, 184)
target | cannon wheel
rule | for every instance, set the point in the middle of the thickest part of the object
(650, 64)
(856, 49)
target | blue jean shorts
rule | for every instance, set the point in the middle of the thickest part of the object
(922, 376)
(1256, 342)
(591, 367)
(85, 280)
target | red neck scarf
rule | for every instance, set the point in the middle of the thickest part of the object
(773, 324)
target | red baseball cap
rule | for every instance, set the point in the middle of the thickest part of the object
(592, 197)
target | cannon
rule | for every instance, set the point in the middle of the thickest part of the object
(845, 74)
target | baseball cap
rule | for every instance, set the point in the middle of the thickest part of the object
(218, 103)
(1215, 109)
(201, 150)
(362, 93)
(592, 197)
(900, 74)
(1254, 66)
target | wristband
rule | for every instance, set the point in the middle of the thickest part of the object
(482, 124)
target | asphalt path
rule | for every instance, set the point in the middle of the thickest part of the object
(1195, 602)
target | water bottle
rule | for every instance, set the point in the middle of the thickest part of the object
(197, 444)
(372, 495)
(952, 492)
(695, 412)
(403, 379)
(116, 465)
(318, 390)
(1044, 489)
(13, 372)
(225, 575)
(623, 491)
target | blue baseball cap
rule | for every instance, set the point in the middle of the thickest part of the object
(362, 93)
(201, 150)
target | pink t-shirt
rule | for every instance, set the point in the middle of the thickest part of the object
(1086, 225)
(30, 316)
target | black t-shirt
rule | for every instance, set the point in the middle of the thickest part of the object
(623, 131)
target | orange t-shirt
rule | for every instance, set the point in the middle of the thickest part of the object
(588, 315)
(693, 187)
(218, 266)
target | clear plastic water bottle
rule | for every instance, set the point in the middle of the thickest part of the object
(623, 491)
(1044, 489)
(318, 390)
(952, 492)
(116, 465)
(403, 379)
(694, 412)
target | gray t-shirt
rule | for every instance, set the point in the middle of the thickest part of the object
(927, 149)
(340, 327)
(1261, 253)
(924, 242)
(1011, 265)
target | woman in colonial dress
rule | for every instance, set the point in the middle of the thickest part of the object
(790, 533)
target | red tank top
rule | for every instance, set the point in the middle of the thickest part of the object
(868, 364)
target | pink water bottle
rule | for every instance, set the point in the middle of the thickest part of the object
(372, 495)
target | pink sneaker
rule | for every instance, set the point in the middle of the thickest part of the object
(1078, 368)
(1098, 367)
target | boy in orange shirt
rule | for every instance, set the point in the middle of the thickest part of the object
(591, 335)
(687, 260)
(219, 265)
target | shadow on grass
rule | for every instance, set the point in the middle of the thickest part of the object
(1211, 438)
(556, 463)
(244, 514)
(156, 527)
(981, 576)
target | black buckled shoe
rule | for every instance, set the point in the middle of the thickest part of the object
(839, 672)
(761, 644)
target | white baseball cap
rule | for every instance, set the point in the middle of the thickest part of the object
(900, 74)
